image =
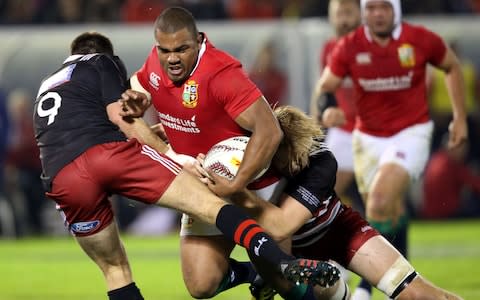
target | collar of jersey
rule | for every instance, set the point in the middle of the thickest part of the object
(397, 31)
(203, 48)
(72, 57)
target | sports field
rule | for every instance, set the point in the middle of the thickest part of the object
(448, 253)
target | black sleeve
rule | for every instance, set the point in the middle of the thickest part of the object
(112, 79)
(329, 100)
(314, 184)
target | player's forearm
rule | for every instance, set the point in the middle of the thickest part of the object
(314, 100)
(456, 89)
(265, 213)
(260, 150)
(137, 128)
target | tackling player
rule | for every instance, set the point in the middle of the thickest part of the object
(386, 59)
(322, 227)
(344, 16)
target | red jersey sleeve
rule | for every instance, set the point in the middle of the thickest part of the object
(338, 58)
(326, 51)
(434, 46)
(234, 90)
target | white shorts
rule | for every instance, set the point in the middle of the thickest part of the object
(410, 148)
(191, 226)
(339, 141)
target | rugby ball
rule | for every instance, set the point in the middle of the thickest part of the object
(225, 157)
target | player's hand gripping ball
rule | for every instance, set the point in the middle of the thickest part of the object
(225, 157)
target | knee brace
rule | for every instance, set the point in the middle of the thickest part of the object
(397, 278)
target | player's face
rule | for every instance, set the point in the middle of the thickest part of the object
(344, 16)
(178, 53)
(379, 17)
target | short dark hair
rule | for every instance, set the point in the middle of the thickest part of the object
(174, 19)
(91, 42)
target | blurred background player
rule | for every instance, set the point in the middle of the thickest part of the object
(386, 59)
(344, 16)
(451, 186)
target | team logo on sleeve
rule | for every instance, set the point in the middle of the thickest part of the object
(190, 94)
(406, 55)
(154, 80)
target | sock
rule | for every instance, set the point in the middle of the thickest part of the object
(128, 292)
(246, 232)
(300, 292)
(238, 273)
(400, 241)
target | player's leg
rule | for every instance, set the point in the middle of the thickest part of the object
(106, 250)
(189, 195)
(383, 266)
(82, 198)
(205, 262)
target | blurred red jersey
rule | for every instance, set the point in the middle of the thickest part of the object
(345, 93)
(201, 111)
(389, 81)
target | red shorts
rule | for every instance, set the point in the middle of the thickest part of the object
(81, 189)
(347, 233)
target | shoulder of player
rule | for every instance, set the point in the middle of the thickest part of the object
(95, 60)
(322, 157)
(354, 37)
(416, 30)
(218, 60)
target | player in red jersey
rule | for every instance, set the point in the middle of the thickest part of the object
(86, 158)
(202, 96)
(320, 225)
(387, 59)
(344, 16)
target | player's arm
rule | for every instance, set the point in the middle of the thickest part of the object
(281, 222)
(135, 127)
(327, 84)
(455, 84)
(259, 119)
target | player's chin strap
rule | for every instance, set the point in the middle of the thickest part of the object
(397, 278)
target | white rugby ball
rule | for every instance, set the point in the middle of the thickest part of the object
(225, 157)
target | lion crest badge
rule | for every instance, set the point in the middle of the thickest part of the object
(190, 94)
(406, 55)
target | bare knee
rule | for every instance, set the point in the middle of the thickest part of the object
(378, 204)
(202, 286)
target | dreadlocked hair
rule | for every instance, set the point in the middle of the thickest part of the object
(301, 136)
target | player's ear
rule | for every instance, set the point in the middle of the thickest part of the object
(199, 38)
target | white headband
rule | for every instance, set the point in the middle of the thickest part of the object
(397, 9)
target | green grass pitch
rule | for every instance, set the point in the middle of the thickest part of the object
(447, 253)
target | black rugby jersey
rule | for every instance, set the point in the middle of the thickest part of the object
(314, 187)
(70, 110)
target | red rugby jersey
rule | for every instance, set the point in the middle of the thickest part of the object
(389, 81)
(200, 112)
